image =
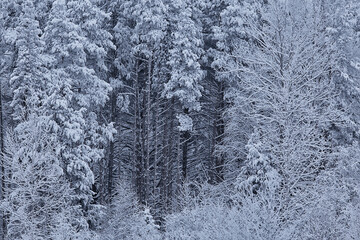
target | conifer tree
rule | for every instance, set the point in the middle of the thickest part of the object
(37, 191)
(77, 90)
(186, 75)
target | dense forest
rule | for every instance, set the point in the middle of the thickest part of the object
(179, 119)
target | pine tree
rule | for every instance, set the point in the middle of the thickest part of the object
(37, 191)
(148, 37)
(185, 53)
(29, 77)
(76, 90)
(186, 74)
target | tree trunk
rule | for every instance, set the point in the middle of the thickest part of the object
(163, 166)
(148, 118)
(111, 150)
(2, 192)
(185, 136)
(220, 129)
(137, 158)
(170, 157)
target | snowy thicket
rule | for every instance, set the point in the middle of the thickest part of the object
(127, 220)
(179, 119)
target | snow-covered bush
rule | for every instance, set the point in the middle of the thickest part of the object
(126, 220)
(204, 222)
(210, 216)
(37, 193)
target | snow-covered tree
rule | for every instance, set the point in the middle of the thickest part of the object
(148, 22)
(91, 19)
(37, 191)
(76, 89)
(230, 37)
(286, 90)
(150, 27)
(28, 80)
(186, 75)
(185, 53)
